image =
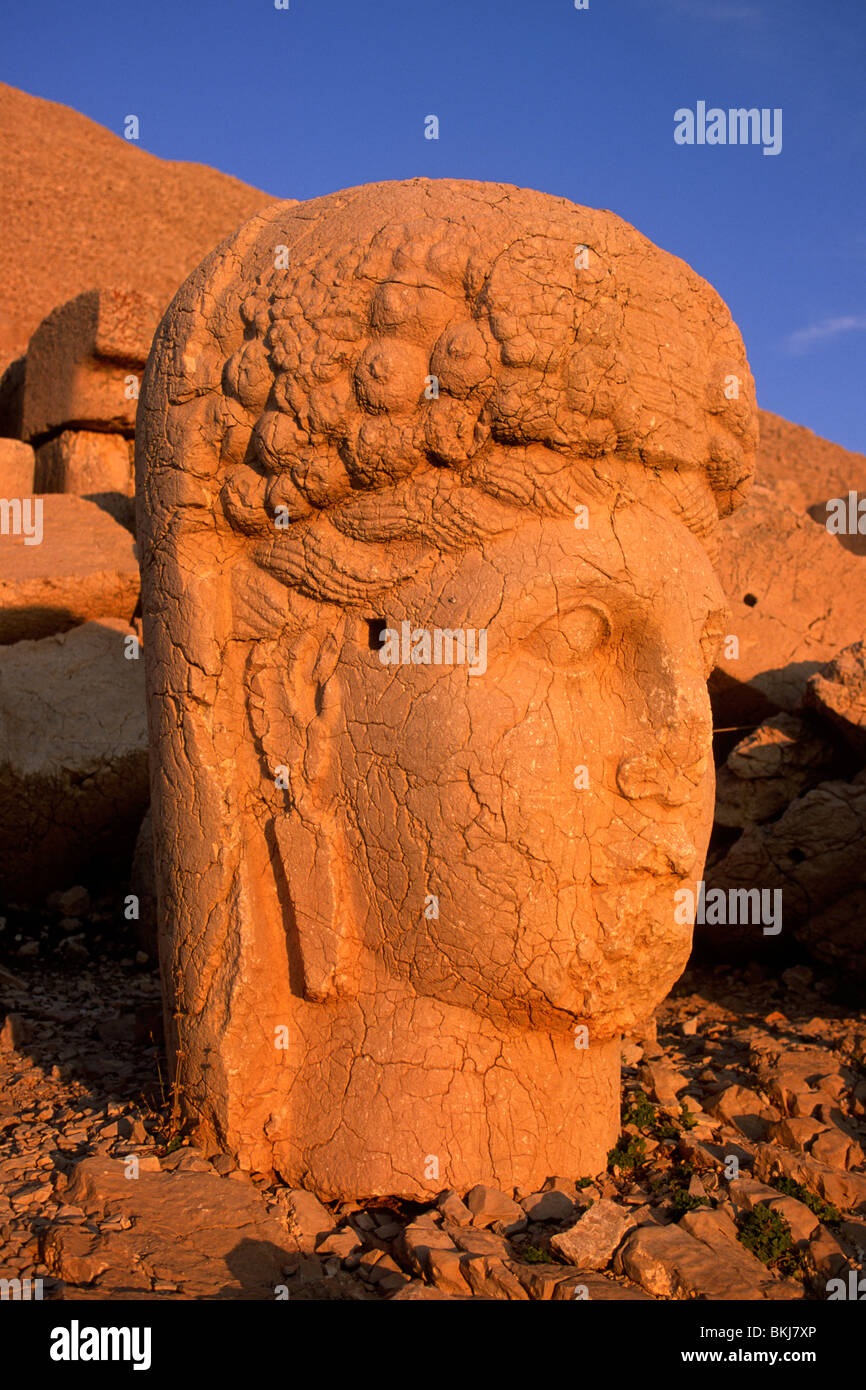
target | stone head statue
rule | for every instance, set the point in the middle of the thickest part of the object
(429, 475)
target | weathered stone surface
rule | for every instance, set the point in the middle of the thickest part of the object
(548, 1206)
(769, 769)
(82, 206)
(12, 398)
(478, 1242)
(843, 1189)
(490, 1277)
(402, 424)
(82, 360)
(596, 1288)
(417, 1292)
(590, 1243)
(787, 1071)
(836, 1148)
(92, 464)
(838, 694)
(670, 1262)
(17, 465)
(812, 854)
(744, 1109)
(488, 1206)
(142, 883)
(84, 568)
(420, 1237)
(787, 624)
(794, 1133)
(209, 1233)
(540, 1280)
(453, 1209)
(73, 756)
(306, 1220)
(663, 1082)
(444, 1266)
(835, 936)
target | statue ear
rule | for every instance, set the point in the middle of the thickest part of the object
(296, 711)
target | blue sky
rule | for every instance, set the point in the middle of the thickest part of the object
(331, 93)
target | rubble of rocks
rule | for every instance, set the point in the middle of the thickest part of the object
(791, 808)
(738, 1175)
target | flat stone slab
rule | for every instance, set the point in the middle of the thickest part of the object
(193, 1233)
(80, 359)
(17, 463)
(73, 755)
(84, 567)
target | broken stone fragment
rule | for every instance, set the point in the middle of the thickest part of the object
(811, 855)
(841, 1188)
(85, 361)
(770, 768)
(444, 1267)
(306, 1220)
(591, 1242)
(744, 1109)
(670, 1262)
(453, 1209)
(548, 1206)
(488, 1206)
(17, 468)
(91, 464)
(231, 1244)
(490, 1277)
(838, 694)
(420, 1237)
(73, 756)
(663, 1083)
(81, 567)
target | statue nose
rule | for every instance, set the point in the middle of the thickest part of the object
(669, 774)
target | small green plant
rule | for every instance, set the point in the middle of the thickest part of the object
(825, 1211)
(768, 1236)
(534, 1255)
(628, 1153)
(682, 1201)
(583, 1182)
(687, 1119)
(640, 1111)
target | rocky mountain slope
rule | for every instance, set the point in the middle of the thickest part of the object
(81, 207)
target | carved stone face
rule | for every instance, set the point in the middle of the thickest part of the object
(390, 407)
(553, 802)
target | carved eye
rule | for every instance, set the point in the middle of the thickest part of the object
(571, 640)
